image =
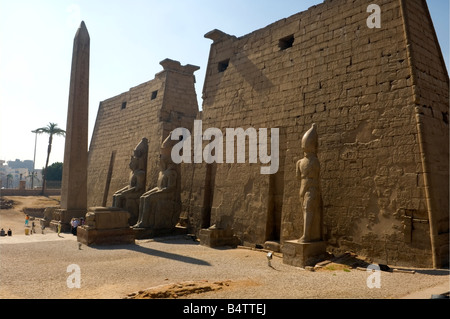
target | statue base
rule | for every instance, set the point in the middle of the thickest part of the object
(63, 217)
(106, 226)
(161, 221)
(272, 246)
(88, 236)
(148, 233)
(218, 237)
(301, 255)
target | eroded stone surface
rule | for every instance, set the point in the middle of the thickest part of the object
(379, 98)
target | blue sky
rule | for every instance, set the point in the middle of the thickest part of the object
(128, 40)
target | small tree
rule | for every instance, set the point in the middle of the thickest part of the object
(54, 172)
(51, 129)
(32, 177)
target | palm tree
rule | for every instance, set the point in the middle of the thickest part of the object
(51, 129)
(32, 177)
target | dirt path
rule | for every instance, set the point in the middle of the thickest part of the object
(14, 218)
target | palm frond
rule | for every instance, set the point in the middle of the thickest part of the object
(40, 130)
(51, 128)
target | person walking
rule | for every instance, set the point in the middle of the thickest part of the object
(74, 223)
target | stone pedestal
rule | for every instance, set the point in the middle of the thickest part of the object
(303, 254)
(90, 237)
(218, 237)
(107, 218)
(162, 220)
(106, 226)
(147, 233)
(273, 246)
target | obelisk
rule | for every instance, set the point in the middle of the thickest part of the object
(74, 180)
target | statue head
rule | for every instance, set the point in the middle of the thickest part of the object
(140, 153)
(165, 156)
(310, 140)
(167, 145)
(141, 149)
(134, 163)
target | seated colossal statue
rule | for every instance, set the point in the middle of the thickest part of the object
(128, 197)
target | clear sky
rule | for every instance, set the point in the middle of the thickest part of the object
(128, 40)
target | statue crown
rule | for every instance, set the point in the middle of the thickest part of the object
(310, 140)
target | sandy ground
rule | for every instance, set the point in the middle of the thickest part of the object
(15, 218)
(48, 266)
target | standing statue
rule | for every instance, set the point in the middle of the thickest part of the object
(159, 200)
(128, 196)
(308, 172)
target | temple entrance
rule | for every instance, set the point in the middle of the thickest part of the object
(209, 195)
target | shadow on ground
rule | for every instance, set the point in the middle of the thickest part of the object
(155, 252)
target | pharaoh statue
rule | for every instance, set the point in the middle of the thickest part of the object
(128, 197)
(308, 171)
(159, 200)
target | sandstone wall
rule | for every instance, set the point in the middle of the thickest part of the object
(356, 84)
(430, 87)
(152, 110)
(379, 98)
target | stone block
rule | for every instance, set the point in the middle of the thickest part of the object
(273, 246)
(218, 237)
(109, 217)
(106, 226)
(303, 254)
(89, 236)
(146, 233)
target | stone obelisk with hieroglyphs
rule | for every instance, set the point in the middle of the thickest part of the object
(74, 181)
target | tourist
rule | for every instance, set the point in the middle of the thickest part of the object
(9, 232)
(27, 218)
(74, 223)
(2, 232)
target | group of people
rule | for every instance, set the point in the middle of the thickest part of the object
(75, 222)
(33, 225)
(3, 233)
